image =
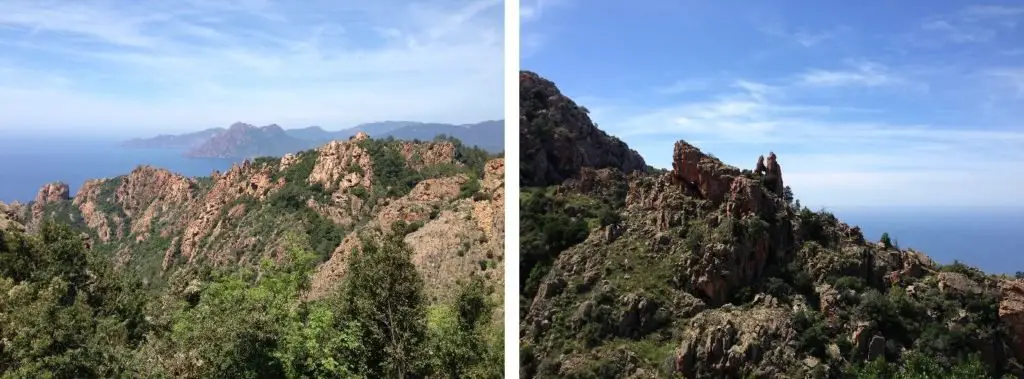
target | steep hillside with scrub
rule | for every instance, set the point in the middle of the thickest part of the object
(709, 270)
(362, 258)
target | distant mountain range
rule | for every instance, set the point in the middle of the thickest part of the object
(242, 140)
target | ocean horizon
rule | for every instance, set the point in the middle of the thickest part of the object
(27, 163)
(990, 238)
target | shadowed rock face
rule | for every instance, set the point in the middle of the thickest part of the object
(708, 270)
(557, 137)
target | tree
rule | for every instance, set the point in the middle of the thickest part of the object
(384, 292)
(459, 335)
(886, 241)
(787, 195)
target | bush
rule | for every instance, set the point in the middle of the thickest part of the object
(469, 188)
(811, 336)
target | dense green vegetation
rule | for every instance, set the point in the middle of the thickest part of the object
(66, 311)
(550, 223)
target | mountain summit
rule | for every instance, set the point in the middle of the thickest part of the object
(244, 140)
(557, 137)
(710, 270)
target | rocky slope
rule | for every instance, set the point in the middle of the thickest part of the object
(557, 137)
(709, 270)
(157, 222)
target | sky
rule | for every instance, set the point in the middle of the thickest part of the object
(866, 103)
(139, 68)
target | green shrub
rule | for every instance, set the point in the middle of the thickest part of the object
(469, 188)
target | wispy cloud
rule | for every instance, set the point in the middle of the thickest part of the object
(1012, 77)
(835, 156)
(190, 64)
(993, 11)
(684, 86)
(860, 73)
(973, 24)
(802, 37)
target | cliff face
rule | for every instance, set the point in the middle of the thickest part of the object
(159, 222)
(557, 137)
(708, 270)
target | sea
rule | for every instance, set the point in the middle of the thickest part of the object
(27, 163)
(989, 238)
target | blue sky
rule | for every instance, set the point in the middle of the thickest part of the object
(876, 102)
(128, 67)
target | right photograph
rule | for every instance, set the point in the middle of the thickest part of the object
(771, 190)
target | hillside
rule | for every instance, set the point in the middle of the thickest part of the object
(242, 140)
(168, 141)
(301, 255)
(708, 270)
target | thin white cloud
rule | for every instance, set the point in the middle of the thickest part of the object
(1012, 77)
(970, 25)
(810, 39)
(993, 11)
(863, 73)
(197, 64)
(683, 86)
(802, 37)
(835, 156)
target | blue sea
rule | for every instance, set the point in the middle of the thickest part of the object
(26, 163)
(991, 239)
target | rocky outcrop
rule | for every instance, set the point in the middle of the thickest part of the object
(147, 192)
(773, 175)
(245, 180)
(329, 274)
(706, 175)
(720, 343)
(1011, 312)
(490, 210)
(557, 137)
(50, 193)
(9, 219)
(457, 237)
(421, 201)
(88, 200)
(342, 165)
(419, 155)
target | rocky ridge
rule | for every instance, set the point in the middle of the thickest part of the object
(709, 270)
(557, 137)
(159, 222)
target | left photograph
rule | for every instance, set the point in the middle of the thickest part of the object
(252, 189)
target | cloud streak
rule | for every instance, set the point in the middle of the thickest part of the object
(120, 66)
